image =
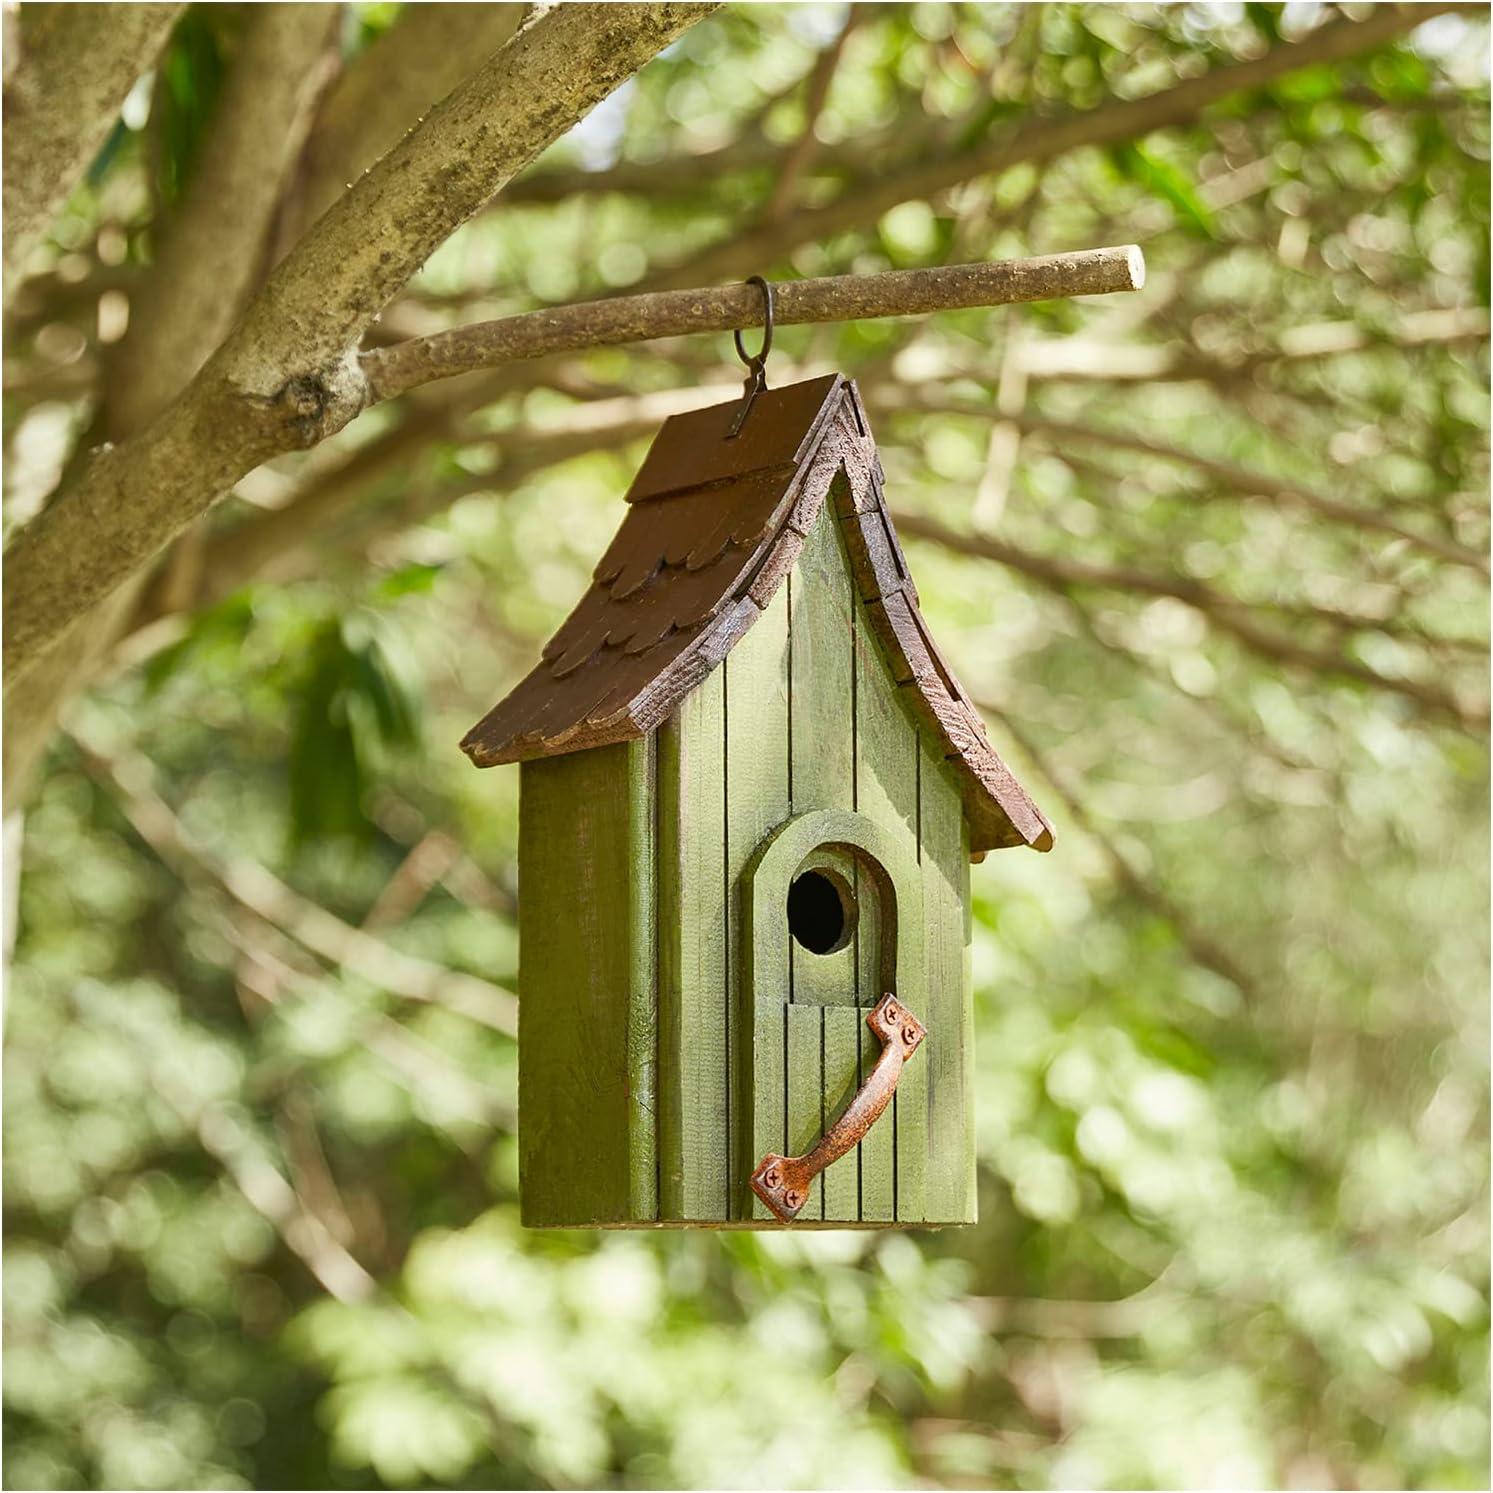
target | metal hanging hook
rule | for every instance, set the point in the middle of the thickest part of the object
(756, 379)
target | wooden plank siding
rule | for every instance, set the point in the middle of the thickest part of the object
(757, 765)
(587, 1020)
(949, 1049)
(652, 1081)
(694, 999)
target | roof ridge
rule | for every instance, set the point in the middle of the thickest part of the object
(628, 653)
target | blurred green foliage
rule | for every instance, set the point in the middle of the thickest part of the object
(261, 1223)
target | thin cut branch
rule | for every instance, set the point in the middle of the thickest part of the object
(641, 318)
(68, 71)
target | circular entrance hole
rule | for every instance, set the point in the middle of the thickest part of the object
(821, 912)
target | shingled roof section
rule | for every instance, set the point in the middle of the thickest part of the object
(713, 527)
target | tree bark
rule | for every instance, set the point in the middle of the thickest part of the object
(73, 68)
(426, 53)
(208, 263)
(288, 376)
(211, 252)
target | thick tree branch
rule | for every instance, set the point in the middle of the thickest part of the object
(288, 376)
(391, 371)
(209, 256)
(426, 53)
(355, 257)
(72, 68)
(206, 266)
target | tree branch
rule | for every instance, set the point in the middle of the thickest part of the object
(72, 67)
(262, 893)
(206, 266)
(208, 258)
(1227, 613)
(391, 371)
(288, 376)
(426, 53)
(1245, 483)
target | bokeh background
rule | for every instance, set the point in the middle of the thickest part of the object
(1213, 557)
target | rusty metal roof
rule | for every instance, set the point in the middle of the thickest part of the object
(712, 528)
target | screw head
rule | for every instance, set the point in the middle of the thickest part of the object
(771, 1179)
(891, 1013)
(791, 1199)
(909, 1034)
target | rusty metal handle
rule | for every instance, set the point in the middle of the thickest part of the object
(782, 1182)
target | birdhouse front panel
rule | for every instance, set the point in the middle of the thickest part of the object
(751, 790)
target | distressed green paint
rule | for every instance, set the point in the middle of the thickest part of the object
(821, 640)
(887, 789)
(642, 1005)
(587, 1014)
(757, 745)
(806, 1091)
(842, 1189)
(822, 747)
(945, 872)
(694, 1075)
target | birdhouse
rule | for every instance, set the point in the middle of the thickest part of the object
(750, 792)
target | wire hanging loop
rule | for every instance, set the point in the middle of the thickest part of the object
(756, 379)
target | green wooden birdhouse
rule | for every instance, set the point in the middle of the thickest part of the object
(751, 790)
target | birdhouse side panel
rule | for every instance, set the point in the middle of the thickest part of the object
(944, 851)
(587, 977)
